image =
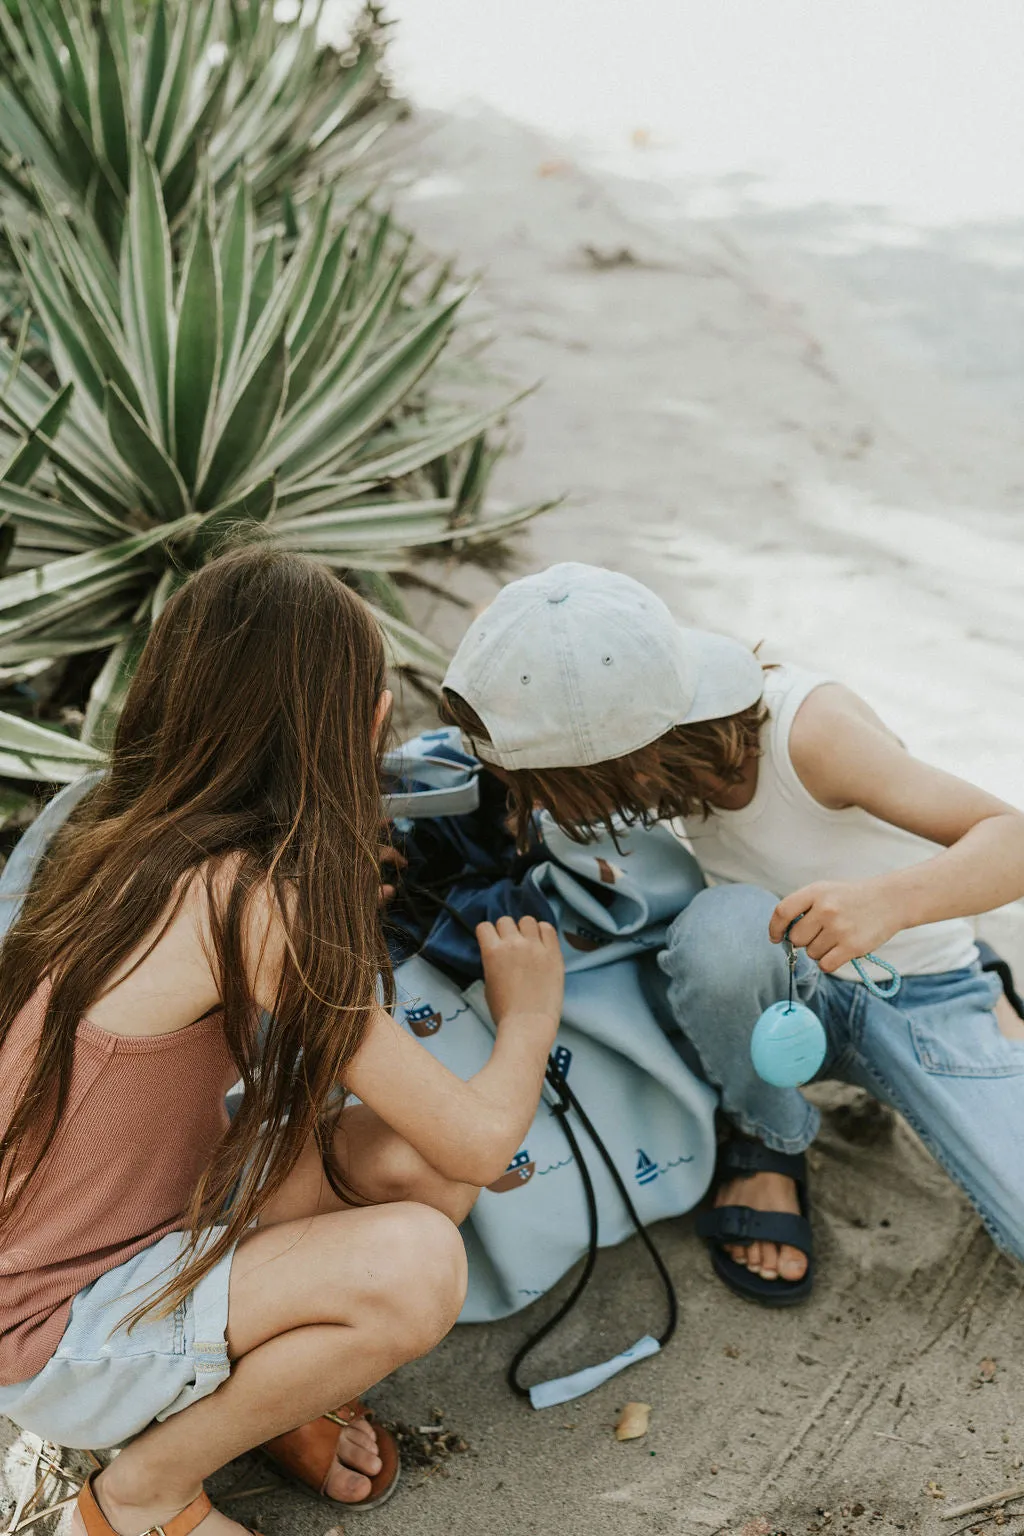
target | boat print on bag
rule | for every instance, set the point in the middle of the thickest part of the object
(646, 1170)
(585, 939)
(607, 871)
(423, 1020)
(519, 1172)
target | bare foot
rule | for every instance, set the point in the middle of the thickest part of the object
(765, 1192)
(133, 1519)
(356, 1461)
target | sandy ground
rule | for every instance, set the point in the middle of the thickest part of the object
(799, 429)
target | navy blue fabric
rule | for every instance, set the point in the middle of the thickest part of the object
(742, 1224)
(467, 865)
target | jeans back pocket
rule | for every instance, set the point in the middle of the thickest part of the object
(958, 1034)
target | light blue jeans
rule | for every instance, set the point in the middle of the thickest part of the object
(936, 1053)
(104, 1384)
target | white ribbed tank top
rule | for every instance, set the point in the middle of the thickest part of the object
(785, 839)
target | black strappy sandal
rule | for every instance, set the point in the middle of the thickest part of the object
(728, 1224)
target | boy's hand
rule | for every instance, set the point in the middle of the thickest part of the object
(523, 969)
(842, 920)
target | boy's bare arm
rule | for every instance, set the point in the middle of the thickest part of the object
(845, 756)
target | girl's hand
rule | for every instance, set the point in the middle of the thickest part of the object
(388, 855)
(523, 969)
(842, 920)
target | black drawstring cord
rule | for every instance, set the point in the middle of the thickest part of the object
(561, 1110)
(567, 1101)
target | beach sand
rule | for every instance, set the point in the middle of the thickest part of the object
(763, 418)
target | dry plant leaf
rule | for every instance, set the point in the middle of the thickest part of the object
(634, 1421)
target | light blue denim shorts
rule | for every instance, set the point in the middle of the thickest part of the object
(104, 1384)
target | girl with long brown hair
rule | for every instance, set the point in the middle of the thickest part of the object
(211, 912)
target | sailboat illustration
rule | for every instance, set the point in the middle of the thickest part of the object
(518, 1172)
(423, 1020)
(607, 872)
(646, 1170)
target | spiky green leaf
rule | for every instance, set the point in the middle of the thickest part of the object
(408, 649)
(255, 504)
(155, 471)
(249, 424)
(264, 281)
(72, 527)
(318, 406)
(30, 751)
(46, 50)
(236, 274)
(110, 89)
(71, 353)
(63, 575)
(32, 452)
(197, 353)
(108, 692)
(179, 64)
(409, 456)
(156, 65)
(146, 288)
(371, 395)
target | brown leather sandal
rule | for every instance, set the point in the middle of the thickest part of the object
(307, 1454)
(183, 1524)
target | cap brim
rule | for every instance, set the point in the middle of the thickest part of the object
(729, 677)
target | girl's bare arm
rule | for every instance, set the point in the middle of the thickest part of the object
(469, 1130)
(845, 756)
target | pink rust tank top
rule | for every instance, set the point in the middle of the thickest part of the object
(142, 1120)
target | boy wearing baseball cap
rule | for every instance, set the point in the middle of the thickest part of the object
(810, 818)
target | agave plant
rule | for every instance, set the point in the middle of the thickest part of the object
(221, 79)
(207, 367)
(238, 390)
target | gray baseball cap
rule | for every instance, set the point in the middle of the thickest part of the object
(578, 665)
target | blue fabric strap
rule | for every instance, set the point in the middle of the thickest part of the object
(740, 1156)
(884, 989)
(546, 1394)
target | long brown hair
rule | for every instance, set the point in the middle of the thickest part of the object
(666, 779)
(247, 750)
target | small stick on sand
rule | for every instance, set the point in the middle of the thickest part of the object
(921, 1444)
(41, 1514)
(1005, 1497)
(250, 1493)
(975, 1522)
